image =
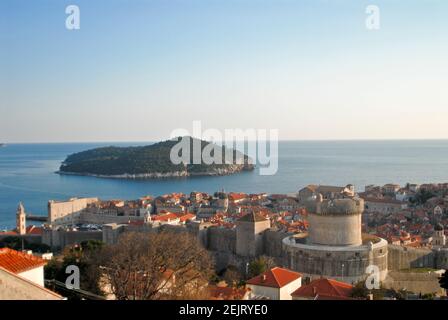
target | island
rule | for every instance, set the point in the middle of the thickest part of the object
(151, 161)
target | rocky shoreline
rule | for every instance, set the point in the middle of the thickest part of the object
(159, 175)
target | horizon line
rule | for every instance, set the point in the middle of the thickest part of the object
(280, 140)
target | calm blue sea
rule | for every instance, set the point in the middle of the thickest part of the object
(27, 172)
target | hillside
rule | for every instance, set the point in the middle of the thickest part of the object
(152, 161)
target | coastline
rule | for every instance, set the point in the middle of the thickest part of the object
(160, 175)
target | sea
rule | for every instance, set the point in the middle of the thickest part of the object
(27, 172)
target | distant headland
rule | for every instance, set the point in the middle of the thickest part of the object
(151, 162)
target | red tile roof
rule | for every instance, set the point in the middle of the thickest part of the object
(325, 289)
(34, 230)
(227, 293)
(237, 196)
(30, 230)
(18, 262)
(275, 278)
(169, 216)
(185, 216)
(136, 222)
(8, 233)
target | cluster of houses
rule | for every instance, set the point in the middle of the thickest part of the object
(412, 215)
(408, 215)
(220, 209)
(404, 215)
(283, 284)
(22, 278)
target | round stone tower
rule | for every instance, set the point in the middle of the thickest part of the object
(334, 246)
(335, 222)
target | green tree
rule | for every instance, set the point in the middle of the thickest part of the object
(422, 196)
(82, 256)
(16, 243)
(260, 265)
(428, 296)
(360, 290)
(232, 276)
(443, 281)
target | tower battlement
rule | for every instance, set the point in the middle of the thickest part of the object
(338, 207)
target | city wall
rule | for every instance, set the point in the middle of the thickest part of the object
(221, 239)
(94, 218)
(407, 258)
(273, 246)
(417, 282)
(61, 238)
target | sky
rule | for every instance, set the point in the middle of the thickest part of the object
(137, 70)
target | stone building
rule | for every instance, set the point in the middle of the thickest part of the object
(64, 212)
(22, 277)
(439, 238)
(383, 206)
(327, 192)
(249, 234)
(334, 246)
(21, 220)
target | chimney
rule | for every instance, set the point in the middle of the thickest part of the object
(314, 291)
(263, 278)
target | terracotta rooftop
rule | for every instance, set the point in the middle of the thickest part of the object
(324, 288)
(169, 216)
(185, 216)
(275, 278)
(30, 230)
(34, 230)
(18, 262)
(227, 293)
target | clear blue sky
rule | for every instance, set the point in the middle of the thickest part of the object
(138, 69)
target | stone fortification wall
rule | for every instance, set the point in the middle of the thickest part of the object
(408, 258)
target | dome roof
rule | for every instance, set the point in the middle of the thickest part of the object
(438, 227)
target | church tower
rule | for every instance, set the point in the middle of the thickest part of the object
(21, 220)
(147, 218)
(439, 238)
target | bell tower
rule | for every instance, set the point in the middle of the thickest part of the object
(439, 238)
(21, 220)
